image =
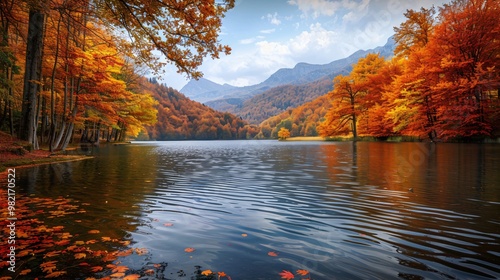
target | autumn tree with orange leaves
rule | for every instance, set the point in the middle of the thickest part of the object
(65, 36)
(443, 83)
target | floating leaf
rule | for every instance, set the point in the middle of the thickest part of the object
(189, 250)
(94, 231)
(48, 267)
(302, 272)
(97, 268)
(62, 242)
(80, 255)
(24, 272)
(149, 272)
(221, 274)
(131, 277)
(272, 254)
(157, 265)
(118, 275)
(285, 274)
(206, 272)
(55, 274)
(141, 251)
(168, 224)
(121, 268)
(244, 234)
(106, 238)
(52, 254)
(124, 253)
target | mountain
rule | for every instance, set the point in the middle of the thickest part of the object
(303, 73)
(281, 98)
(203, 90)
(227, 98)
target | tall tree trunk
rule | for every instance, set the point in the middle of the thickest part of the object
(32, 76)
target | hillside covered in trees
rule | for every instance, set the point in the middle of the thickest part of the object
(180, 118)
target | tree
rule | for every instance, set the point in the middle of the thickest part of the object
(32, 75)
(415, 32)
(183, 31)
(352, 97)
(283, 133)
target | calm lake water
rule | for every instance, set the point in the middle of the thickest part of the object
(339, 210)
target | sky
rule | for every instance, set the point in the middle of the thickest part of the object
(266, 35)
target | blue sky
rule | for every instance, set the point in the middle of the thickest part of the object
(268, 35)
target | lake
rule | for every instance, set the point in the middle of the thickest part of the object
(255, 208)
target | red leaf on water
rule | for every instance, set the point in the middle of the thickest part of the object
(285, 274)
(272, 254)
(302, 272)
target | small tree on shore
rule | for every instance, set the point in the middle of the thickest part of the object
(283, 133)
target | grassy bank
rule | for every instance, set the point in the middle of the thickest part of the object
(16, 153)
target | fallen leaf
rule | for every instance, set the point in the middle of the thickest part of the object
(52, 254)
(92, 241)
(272, 254)
(24, 272)
(106, 238)
(24, 253)
(62, 242)
(149, 272)
(221, 274)
(121, 268)
(80, 255)
(244, 234)
(206, 272)
(97, 268)
(302, 272)
(94, 231)
(118, 275)
(141, 251)
(189, 250)
(285, 274)
(157, 265)
(168, 224)
(124, 253)
(55, 274)
(131, 277)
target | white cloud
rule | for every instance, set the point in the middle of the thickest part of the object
(252, 40)
(268, 31)
(273, 19)
(318, 8)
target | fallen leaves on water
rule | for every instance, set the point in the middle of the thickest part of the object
(25, 272)
(272, 254)
(132, 277)
(55, 274)
(94, 231)
(244, 234)
(189, 250)
(206, 272)
(302, 272)
(120, 268)
(285, 274)
(80, 255)
(141, 251)
(168, 224)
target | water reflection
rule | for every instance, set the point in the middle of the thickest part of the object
(340, 210)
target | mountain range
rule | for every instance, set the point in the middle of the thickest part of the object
(306, 82)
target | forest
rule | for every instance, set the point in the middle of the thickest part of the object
(442, 84)
(75, 69)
